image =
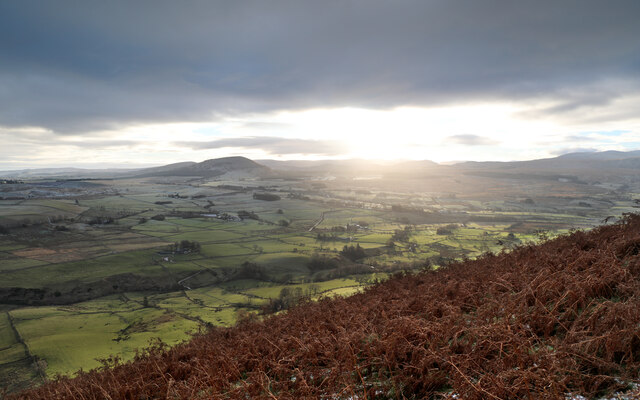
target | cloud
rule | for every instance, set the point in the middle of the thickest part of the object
(470, 140)
(99, 144)
(613, 133)
(266, 126)
(579, 139)
(272, 145)
(38, 137)
(79, 67)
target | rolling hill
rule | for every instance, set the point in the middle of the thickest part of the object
(587, 162)
(209, 168)
(614, 165)
(554, 321)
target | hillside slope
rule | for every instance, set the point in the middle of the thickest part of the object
(543, 321)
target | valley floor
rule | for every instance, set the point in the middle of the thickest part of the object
(88, 276)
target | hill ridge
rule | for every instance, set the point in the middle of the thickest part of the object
(209, 168)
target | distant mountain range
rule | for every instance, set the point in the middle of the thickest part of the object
(590, 163)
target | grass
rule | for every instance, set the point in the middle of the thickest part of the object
(73, 337)
(12, 353)
(10, 348)
(205, 236)
(15, 263)
(226, 250)
(67, 206)
(63, 339)
(87, 271)
(273, 291)
(160, 227)
(70, 337)
(219, 297)
(288, 259)
(181, 268)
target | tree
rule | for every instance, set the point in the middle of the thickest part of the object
(353, 253)
(446, 230)
(319, 263)
(185, 247)
(266, 196)
(401, 235)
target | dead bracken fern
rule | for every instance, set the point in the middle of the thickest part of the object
(550, 321)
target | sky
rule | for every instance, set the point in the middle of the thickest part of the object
(141, 83)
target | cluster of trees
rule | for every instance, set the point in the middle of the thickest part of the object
(332, 236)
(406, 209)
(298, 196)
(184, 214)
(401, 235)
(101, 220)
(250, 270)
(326, 237)
(266, 196)
(340, 265)
(231, 187)
(447, 229)
(319, 263)
(345, 228)
(352, 269)
(327, 268)
(344, 270)
(353, 253)
(441, 260)
(290, 297)
(243, 214)
(6, 227)
(185, 247)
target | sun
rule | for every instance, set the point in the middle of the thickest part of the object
(417, 132)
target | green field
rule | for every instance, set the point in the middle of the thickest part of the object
(99, 276)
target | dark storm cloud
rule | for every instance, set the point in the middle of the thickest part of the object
(272, 145)
(78, 66)
(470, 140)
